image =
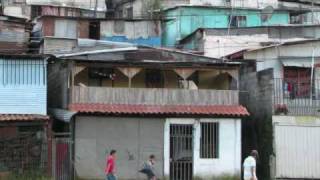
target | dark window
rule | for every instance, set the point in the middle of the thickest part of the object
(238, 21)
(94, 30)
(154, 79)
(97, 75)
(130, 12)
(209, 142)
(36, 11)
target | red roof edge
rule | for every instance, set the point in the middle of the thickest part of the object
(126, 109)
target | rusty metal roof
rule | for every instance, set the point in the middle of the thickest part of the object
(22, 117)
(126, 109)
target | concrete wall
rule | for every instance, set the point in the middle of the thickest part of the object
(270, 57)
(297, 146)
(133, 138)
(185, 20)
(131, 31)
(229, 161)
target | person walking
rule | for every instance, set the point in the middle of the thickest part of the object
(249, 166)
(148, 168)
(111, 166)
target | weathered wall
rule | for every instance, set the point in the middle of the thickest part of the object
(14, 36)
(58, 76)
(185, 20)
(133, 138)
(58, 45)
(297, 146)
(237, 3)
(131, 31)
(223, 41)
(257, 89)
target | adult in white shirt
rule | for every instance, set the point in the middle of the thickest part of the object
(249, 166)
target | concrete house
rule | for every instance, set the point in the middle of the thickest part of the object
(50, 32)
(222, 42)
(181, 107)
(181, 21)
(286, 85)
(24, 124)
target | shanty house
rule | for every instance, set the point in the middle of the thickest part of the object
(286, 96)
(52, 31)
(24, 123)
(14, 35)
(182, 108)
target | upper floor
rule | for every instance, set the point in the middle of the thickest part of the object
(75, 8)
(184, 20)
(293, 86)
(222, 42)
(142, 76)
(141, 32)
(143, 9)
(23, 84)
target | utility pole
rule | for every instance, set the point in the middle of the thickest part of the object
(95, 8)
(312, 10)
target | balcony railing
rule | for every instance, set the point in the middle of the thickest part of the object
(296, 96)
(154, 96)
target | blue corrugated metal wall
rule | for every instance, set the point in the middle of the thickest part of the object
(23, 86)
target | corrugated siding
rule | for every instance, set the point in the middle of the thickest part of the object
(23, 86)
(297, 151)
(65, 28)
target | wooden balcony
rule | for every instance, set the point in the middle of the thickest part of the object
(154, 96)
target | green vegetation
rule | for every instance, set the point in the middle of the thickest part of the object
(31, 175)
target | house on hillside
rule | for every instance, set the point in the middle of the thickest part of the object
(223, 42)
(181, 21)
(140, 8)
(31, 9)
(52, 31)
(183, 108)
(24, 124)
(14, 35)
(286, 96)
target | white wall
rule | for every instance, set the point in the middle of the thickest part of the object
(297, 147)
(229, 161)
(220, 46)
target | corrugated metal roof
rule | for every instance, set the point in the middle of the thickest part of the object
(22, 117)
(218, 110)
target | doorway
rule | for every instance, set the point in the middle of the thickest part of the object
(94, 30)
(181, 151)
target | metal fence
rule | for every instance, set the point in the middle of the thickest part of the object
(24, 156)
(181, 149)
(296, 96)
(62, 157)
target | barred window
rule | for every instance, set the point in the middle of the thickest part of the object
(209, 142)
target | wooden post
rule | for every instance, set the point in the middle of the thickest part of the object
(130, 79)
(48, 127)
(71, 85)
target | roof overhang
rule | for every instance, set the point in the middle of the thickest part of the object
(168, 110)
